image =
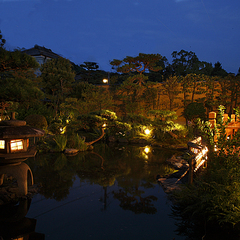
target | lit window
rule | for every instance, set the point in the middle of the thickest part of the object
(16, 145)
(2, 144)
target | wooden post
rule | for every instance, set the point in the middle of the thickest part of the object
(191, 169)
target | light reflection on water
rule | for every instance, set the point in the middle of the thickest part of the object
(110, 193)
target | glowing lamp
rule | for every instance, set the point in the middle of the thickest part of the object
(147, 131)
(105, 81)
(14, 141)
(146, 150)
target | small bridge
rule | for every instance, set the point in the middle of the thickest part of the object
(199, 156)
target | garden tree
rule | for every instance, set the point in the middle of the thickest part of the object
(139, 65)
(233, 88)
(129, 95)
(218, 70)
(185, 62)
(131, 91)
(193, 111)
(149, 96)
(81, 87)
(18, 83)
(171, 88)
(92, 99)
(223, 96)
(163, 74)
(89, 66)
(56, 79)
(206, 68)
(2, 40)
(87, 71)
(97, 100)
(211, 85)
(163, 115)
(192, 85)
(76, 68)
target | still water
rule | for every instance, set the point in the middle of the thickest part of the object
(108, 193)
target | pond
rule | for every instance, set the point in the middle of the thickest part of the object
(108, 193)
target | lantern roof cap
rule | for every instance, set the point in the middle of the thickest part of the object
(20, 132)
(17, 129)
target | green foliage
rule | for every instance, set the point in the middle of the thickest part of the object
(37, 107)
(56, 79)
(77, 142)
(37, 121)
(194, 110)
(106, 114)
(88, 98)
(163, 115)
(56, 126)
(90, 121)
(61, 142)
(215, 195)
(17, 78)
(136, 119)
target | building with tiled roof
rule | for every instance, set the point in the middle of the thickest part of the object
(41, 54)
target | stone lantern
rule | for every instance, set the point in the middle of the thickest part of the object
(14, 141)
(14, 149)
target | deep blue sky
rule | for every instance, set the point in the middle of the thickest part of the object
(103, 30)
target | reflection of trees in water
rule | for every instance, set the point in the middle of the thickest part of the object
(135, 203)
(56, 171)
(55, 175)
(99, 170)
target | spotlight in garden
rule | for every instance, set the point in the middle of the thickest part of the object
(147, 131)
(147, 149)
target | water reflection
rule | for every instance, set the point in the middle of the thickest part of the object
(13, 223)
(103, 166)
(107, 193)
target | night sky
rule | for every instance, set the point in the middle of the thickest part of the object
(103, 30)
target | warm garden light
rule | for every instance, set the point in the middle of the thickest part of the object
(146, 150)
(16, 145)
(104, 125)
(147, 131)
(105, 80)
(2, 144)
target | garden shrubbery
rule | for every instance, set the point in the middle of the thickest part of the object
(214, 196)
(37, 121)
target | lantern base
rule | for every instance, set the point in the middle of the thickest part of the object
(8, 158)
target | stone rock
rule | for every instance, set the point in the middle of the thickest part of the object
(178, 162)
(70, 151)
(169, 184)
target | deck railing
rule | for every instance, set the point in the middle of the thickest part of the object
(198, 158)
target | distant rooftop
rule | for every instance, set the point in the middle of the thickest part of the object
(41, 51)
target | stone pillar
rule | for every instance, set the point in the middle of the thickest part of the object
(21, 172)
(212, 119)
